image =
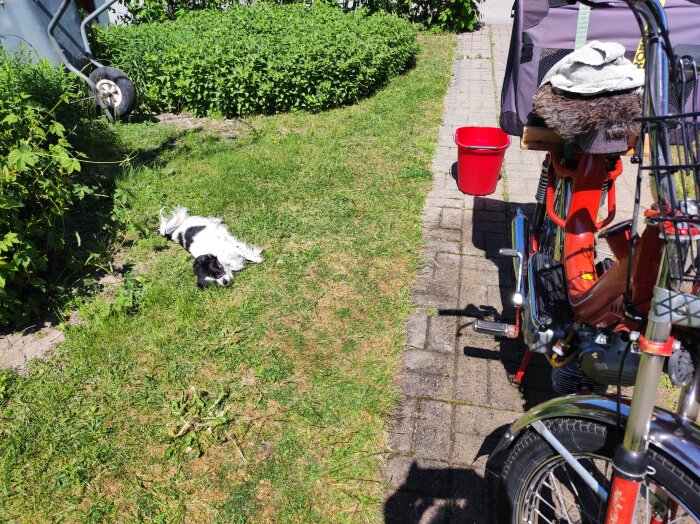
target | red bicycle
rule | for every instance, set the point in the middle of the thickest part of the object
(591, 457)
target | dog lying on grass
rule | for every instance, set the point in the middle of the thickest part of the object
(217, 253)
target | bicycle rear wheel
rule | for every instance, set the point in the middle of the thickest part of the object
(550, 237)
(539, 486)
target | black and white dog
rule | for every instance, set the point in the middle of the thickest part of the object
(217, 253)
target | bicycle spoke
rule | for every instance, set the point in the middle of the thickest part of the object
(539, 513)
(679, 518)
(644, 491)
(577, 496)
(592, 495)
(546, 502)
(560, 496)
(573, 486)
(565, 508)
(579, 510)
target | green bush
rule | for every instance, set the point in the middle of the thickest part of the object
(36, 185)
(261, 59)
(145, 11)
(450, 15)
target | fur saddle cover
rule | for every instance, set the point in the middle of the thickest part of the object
(571, 116)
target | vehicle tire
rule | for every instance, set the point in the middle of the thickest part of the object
(532, 465)
(549, 236)
(119, 91)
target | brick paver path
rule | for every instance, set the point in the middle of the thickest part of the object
(457, 398)
(457, 393)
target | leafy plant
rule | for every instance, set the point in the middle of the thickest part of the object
(202, 422)
(125, 300)
(260, 59)
(450, 15)
(46, 85)
(37, 179)
(145, 11)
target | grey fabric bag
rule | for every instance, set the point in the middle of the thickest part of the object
(545, 31)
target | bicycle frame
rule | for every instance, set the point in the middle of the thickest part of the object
(600, 301)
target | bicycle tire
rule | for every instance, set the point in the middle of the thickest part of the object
(530, 457)
(550, 237)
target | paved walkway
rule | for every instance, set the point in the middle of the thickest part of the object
(457, 398)
(457, 393)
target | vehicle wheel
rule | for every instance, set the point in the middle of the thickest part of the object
(117, 90)
(539, 486)
(550, 237)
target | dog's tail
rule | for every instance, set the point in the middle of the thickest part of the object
(252, 253)
(168, 225)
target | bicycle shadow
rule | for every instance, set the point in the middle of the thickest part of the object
(458, 485)
(431, 494)
(491, 231)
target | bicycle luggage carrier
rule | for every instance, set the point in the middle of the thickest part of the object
(674, 164)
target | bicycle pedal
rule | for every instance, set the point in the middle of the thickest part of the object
(497, 329)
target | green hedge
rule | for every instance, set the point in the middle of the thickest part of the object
(37, 163)
(262, 59)
(450, 15)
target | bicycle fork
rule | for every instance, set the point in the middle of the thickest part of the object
(630, 461)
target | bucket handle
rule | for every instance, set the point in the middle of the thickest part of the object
(492, 148)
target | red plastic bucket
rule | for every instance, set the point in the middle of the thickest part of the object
(480, 152)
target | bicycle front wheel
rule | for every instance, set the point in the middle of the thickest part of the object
(540, 487)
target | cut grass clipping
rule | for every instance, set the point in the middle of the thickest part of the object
(262, 59)
(265, 401)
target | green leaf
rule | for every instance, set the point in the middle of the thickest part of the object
(57, 128)
(8, 240)
(10, 119)
(21, 158)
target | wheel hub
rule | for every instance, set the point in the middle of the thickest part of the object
(109, 92)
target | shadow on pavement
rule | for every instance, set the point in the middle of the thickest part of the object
(433, 494)
(433, 491)
(491, 231)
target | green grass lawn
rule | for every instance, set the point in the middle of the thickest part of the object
(266, 401)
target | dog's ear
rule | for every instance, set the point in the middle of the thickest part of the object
(200, 272)
(207, 269)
